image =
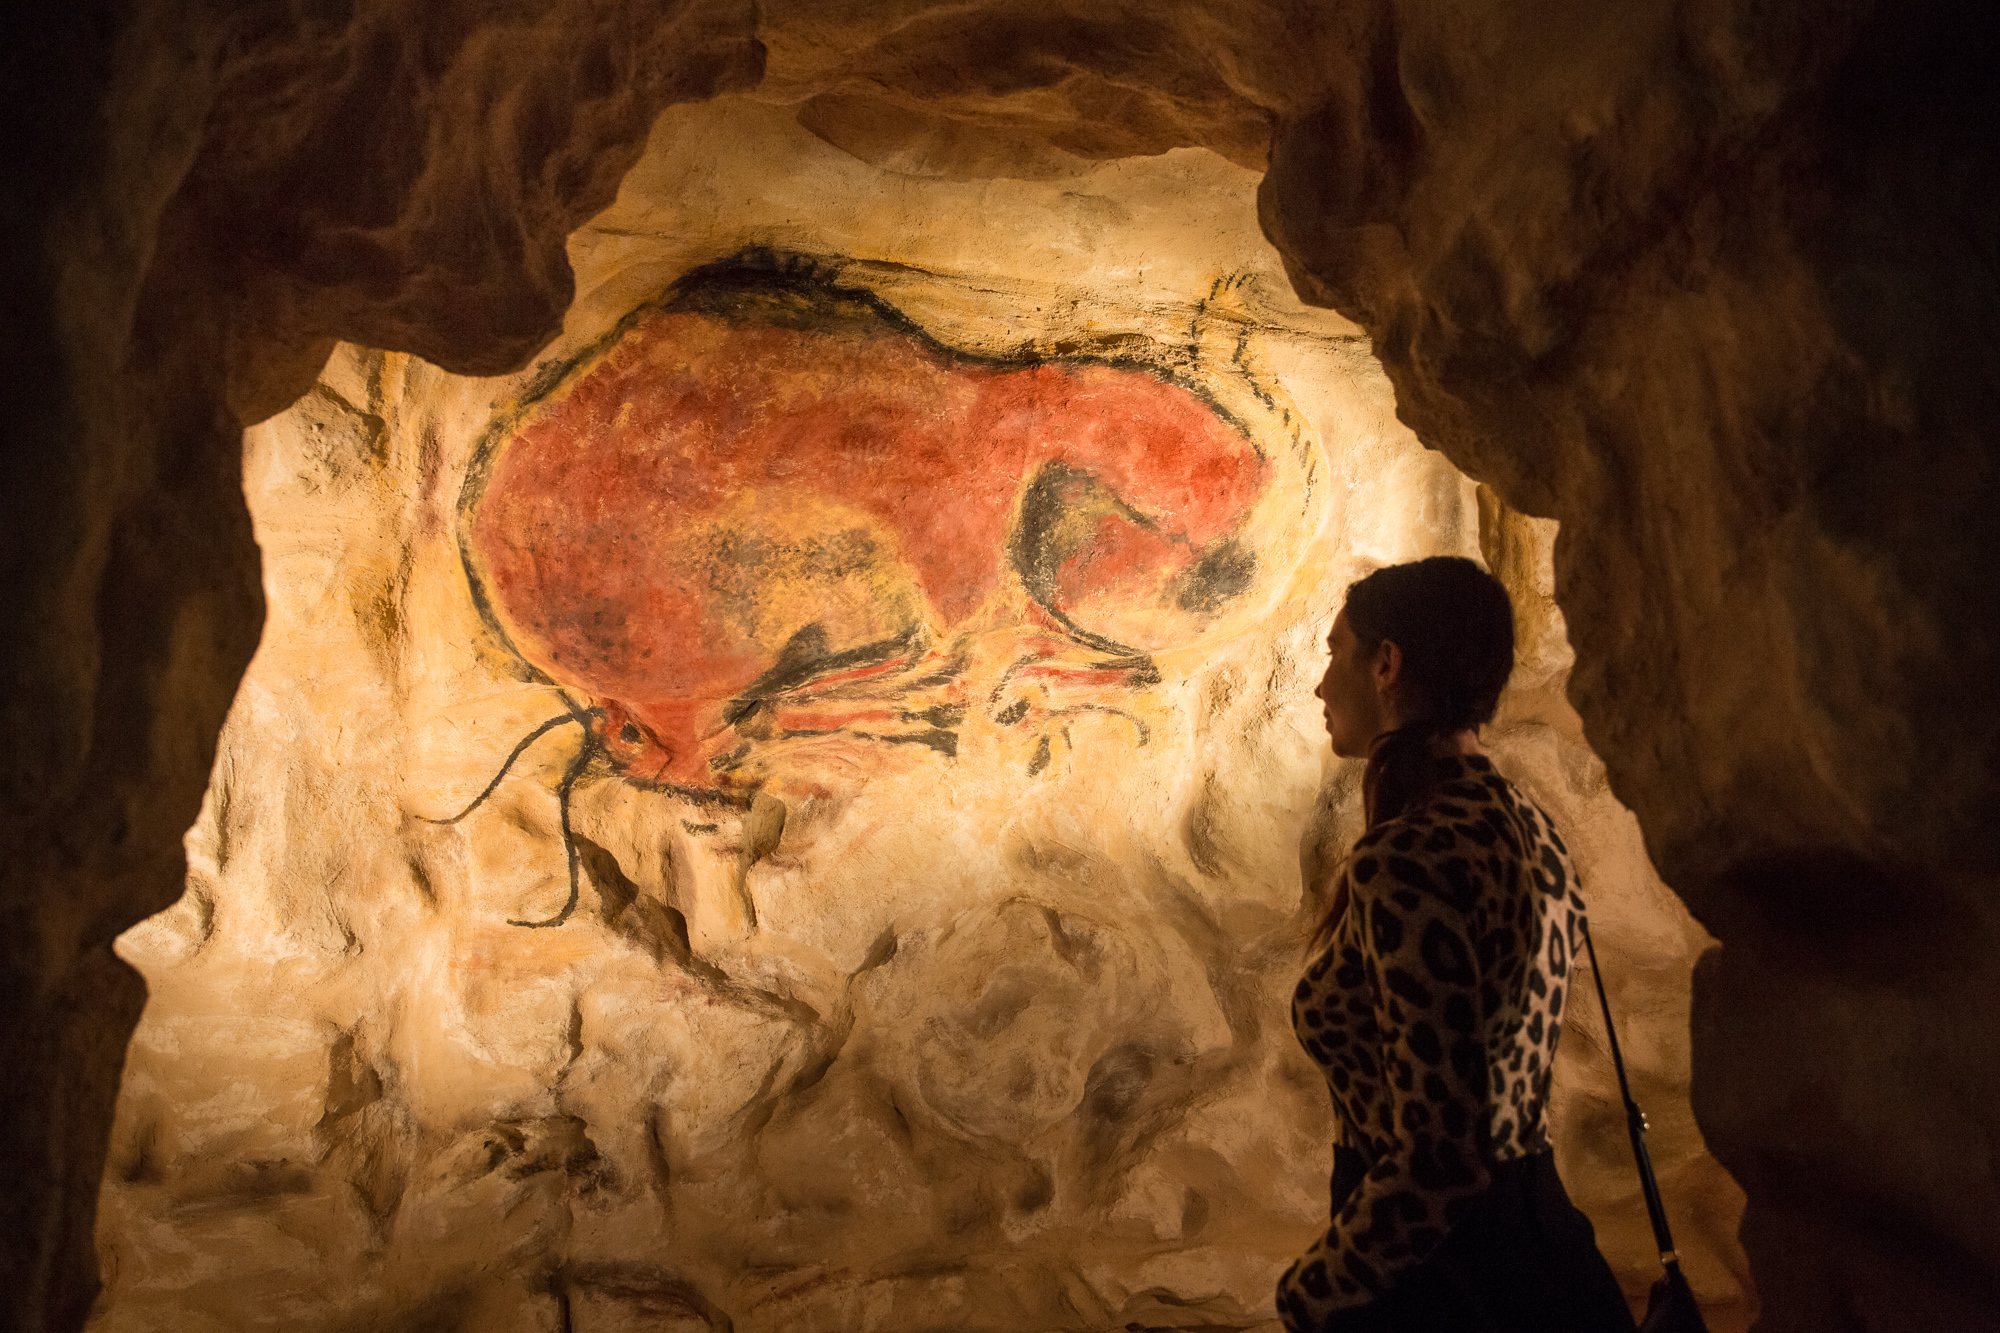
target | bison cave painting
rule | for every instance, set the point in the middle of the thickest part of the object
(771, 510)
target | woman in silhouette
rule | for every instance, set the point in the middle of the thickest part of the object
(1434, 994)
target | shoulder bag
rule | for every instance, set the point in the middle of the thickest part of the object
(1672, 1307)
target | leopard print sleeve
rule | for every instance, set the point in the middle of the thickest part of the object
(1395, 1012)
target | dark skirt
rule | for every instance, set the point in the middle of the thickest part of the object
(1524, 1260)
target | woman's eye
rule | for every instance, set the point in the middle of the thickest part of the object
(629, 734)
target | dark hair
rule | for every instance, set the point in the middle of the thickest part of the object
(1454, 625)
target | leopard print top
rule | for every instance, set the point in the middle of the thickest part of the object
(1434, 1014)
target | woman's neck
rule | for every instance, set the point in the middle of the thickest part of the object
(1403, 765)
(1444, 743)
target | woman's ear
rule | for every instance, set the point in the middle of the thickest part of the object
(1387, 668)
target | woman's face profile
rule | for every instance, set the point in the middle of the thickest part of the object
(1349, 700)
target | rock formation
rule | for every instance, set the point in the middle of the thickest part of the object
(932, 972)
(1711, 285)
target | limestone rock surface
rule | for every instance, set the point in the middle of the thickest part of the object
(1712, 284)
(984, 1036)
(1710, 290)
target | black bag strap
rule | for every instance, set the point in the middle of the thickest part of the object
(1635, 1120)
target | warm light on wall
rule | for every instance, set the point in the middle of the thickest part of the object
(914, 901)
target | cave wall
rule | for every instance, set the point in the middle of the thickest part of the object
(201, 199)
(1716, 292)
(969, 1018)
(1711, 284)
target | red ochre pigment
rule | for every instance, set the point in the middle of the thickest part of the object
(711, 501)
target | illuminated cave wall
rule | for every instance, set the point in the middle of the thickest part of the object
(900, 600)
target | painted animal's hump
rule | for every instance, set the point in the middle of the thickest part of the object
(639, 536)
(645, 532)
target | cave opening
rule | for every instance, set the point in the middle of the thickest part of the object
(1712, 286)
(800, 808)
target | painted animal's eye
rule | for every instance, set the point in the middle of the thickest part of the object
(629, 734)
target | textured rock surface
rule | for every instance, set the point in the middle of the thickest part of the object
(1714, 284)
(1719, 296)
(985, 1039)
(200, 200)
